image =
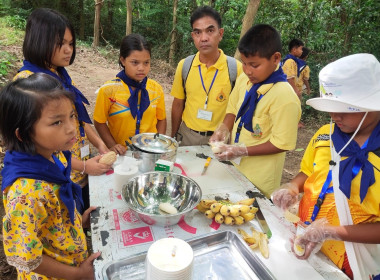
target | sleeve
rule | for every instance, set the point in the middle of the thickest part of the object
(22, 223)
(160, 110)
(233, 101)
(290, 68)
(102, 105)
(177, 88)
(307, 162)
(306, 75)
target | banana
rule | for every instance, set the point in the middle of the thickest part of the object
(209, 214)
(299, 249)
(247, 201)
(235, 210)
(215, 207)
(228, 220)
(263, 245)
(225, 210)
(244, 209)
(201, 208)
(253, 209)
(290, 217)
(219, 218)
(254, 245)
(239, 220)
(248, 217)
(206, 203)
(243, 233)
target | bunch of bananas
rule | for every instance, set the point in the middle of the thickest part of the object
(226, 212)
(257, 239)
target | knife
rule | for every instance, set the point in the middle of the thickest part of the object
(206, 165)
(259, 215)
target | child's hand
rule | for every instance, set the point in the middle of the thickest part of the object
(93, 167)
(221, 134)
(86, 269)
(314, 235)
(230, 152)
(86, 217)
(119, 149)
(285, 196)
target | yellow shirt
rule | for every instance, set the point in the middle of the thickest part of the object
(112, 108)
(275, 119)
(290, 68)
(315, 164)
(37, 223)
(196, 95)
(76, 176)
(304, 75)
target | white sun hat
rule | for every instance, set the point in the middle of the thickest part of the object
(348, 85)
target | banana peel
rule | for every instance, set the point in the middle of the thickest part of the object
(257, 239)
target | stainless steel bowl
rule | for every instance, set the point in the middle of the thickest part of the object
(144, 193)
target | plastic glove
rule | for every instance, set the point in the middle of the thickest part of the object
(285, 196)
(314, 235)
(230, 152)
(221, 134)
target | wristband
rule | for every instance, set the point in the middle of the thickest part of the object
(84, 167)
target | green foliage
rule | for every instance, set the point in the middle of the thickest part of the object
(10, 33)
(6, 62)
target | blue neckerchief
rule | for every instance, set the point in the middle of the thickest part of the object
(133, 100)
(301, 64)
(248, 107)
(24, 165)
(357, 159)
(67, 84)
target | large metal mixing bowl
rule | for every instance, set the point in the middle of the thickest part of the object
(144, 193)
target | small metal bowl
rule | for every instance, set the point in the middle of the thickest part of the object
(144, 193)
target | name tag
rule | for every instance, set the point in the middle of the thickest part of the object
(84, 152)
(204, 115)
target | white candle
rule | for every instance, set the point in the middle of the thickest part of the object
(170, 255)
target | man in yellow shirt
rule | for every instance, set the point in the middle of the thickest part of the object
(201, 94)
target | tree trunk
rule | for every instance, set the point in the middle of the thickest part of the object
(129, 18)
(81, 20)
(98, 7)
(248, 20)
(212, 3)
(173, 40)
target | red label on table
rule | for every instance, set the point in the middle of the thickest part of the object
(137, 236)
(130, 217)
(116, 219)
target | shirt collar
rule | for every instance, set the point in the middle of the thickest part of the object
(219, 64)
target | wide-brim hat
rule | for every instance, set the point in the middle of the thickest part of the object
(348, 85)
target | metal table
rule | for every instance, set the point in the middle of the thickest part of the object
(118, 234)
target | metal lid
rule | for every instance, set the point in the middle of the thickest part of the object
(154, 143)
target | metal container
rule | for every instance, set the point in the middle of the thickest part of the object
(150, 147)
(144, 193)
(221, 255)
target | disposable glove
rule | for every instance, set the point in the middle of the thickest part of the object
(221, 134)
(285, 196)
(314, 236)
(230, 152)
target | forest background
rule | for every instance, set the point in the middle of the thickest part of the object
(331, 29)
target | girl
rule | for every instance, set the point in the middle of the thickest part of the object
(42, 230)
(131, 103)
(49, 46)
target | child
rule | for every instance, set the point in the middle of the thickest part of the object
(302, 82)
(131, 103)
(42, 230)
(292, 64)
(263, 112)
(49, 46)
(340, 179)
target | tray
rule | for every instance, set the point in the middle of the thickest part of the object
(219, 255)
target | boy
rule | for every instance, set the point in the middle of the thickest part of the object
(303, 80)
(200, 100)
(262, 113)
(292, 64)
(341, 202)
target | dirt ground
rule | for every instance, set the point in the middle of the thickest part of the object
(90, 70)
